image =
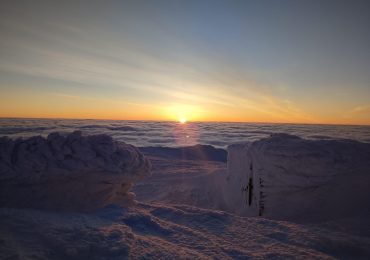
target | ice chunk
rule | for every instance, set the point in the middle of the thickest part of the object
(71, 172)
(286, 177)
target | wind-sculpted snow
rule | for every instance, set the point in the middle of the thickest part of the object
(155, 231)
(71, 172)
(286, 177)
(84, 173)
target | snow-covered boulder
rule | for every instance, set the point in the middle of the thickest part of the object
(286, 177)
(68, 172)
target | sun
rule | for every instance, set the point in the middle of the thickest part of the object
(181, 113)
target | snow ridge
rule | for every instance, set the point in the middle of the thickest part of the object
(72, 172)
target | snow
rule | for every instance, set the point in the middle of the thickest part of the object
(157, 231)
(71, 172)
(191, 182)
(68, 197)
(288, 178)
(195, 153)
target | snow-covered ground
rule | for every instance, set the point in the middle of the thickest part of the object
(179, 214)
(189, 182)
(158, 231)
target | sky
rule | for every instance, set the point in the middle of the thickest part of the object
(255, 61)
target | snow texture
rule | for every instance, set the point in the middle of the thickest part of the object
(85, 173)
(71, 172)
(288, 178)
(190, 182)
(156, 231)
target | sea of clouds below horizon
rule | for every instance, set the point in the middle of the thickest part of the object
(173, 134)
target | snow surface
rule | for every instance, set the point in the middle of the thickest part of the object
(71, 172)
(181, 213)
(155, 231)
(190, 182)
(288, 178)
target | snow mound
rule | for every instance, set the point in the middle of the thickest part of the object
(289, 178)
(71, 172)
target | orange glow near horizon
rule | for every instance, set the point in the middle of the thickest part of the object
(59, 61)
(45, 105)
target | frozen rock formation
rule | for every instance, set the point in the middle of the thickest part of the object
(71, 172)
(286, 177)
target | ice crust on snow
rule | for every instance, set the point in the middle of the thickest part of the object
(71, 172)
(290, 178)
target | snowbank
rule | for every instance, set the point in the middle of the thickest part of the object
(71, 172)
(286, 177)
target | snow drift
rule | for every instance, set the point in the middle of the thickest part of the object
(156, 231)
(286, 177)
(71, 172)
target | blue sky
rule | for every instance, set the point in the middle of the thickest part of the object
(271, 61)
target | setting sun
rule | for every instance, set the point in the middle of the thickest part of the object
(183, 113)
(143, 128)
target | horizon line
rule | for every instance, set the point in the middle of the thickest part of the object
(189, 121)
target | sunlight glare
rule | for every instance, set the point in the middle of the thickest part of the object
(183, 113)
